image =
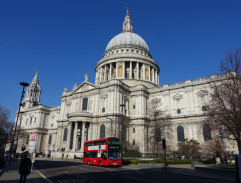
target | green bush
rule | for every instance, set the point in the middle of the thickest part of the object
(209, 161)
(132, 153)
(170, 161)
(136, 161)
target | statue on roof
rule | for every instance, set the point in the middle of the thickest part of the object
(86, 77)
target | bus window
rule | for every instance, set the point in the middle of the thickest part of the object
(99, 152)
(104, 155)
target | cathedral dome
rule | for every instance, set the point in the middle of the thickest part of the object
(127, 39)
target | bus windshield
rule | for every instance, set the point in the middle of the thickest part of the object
(114, 149)
(114, 152)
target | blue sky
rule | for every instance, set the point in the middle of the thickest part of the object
(63, 40)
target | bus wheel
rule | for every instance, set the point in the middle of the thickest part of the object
(99, 163)
(88, 163)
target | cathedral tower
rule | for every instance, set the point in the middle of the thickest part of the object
(32, 97)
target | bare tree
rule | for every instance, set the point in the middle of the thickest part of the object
(5, 125)
(189, 148)
(159, 125)
(212, 148)
(224, 108)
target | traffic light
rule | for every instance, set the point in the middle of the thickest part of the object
(164, 143)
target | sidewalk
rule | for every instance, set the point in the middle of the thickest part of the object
(12, 175)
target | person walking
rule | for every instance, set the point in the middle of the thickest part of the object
(7, 163)
(25, 167)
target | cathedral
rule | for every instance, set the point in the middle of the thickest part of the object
(123, 102)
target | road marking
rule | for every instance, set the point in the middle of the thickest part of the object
(42, 175)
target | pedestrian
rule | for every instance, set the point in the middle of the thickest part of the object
(25, 167)
(7, 163)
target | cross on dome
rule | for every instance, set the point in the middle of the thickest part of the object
(127, 24)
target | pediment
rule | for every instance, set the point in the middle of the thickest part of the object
(85, 86)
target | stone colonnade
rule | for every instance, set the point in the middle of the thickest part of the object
(128, 70)
(78, 133)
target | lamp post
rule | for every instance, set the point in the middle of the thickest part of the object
(20, 104)
(122, 123)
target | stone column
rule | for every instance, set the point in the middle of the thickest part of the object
(155, 77)
(195, 132)
(75, 135)
(190, 135)
(116, 70)
(110, 71)
(83, 136)
(91, 131)
(158, 79)
(149, 73)
(130, 76)
(137, 70)
(101, 71)
(144, 71)
(124, 69)
(69, 136)
(105, 73)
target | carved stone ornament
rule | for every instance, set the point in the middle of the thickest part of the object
(202, 93)
(84, 88)
(103, 95)
(177, 97)
(155, 104)
(68, 102)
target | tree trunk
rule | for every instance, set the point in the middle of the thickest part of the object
(239, 144)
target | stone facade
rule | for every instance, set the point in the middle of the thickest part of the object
(127, 75)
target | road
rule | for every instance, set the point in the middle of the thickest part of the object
(75, 172)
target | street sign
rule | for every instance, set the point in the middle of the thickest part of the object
(32, 138)
(32, 142)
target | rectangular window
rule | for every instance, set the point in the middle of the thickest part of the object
(134, 106)
(134, 130)
(134, 142)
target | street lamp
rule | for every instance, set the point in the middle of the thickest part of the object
(20, 104)
(122, 123)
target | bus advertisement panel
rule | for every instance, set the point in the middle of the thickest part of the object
(103, 152)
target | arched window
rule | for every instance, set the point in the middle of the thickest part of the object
(103, 110)
(65, 134)
(179, 111)
(204, 108)
(158, 135)
(102, 131)
(180, 133)
(207, 132)
(85, 104)
(50, 139)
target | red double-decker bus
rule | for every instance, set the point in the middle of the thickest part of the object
(103, 152)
